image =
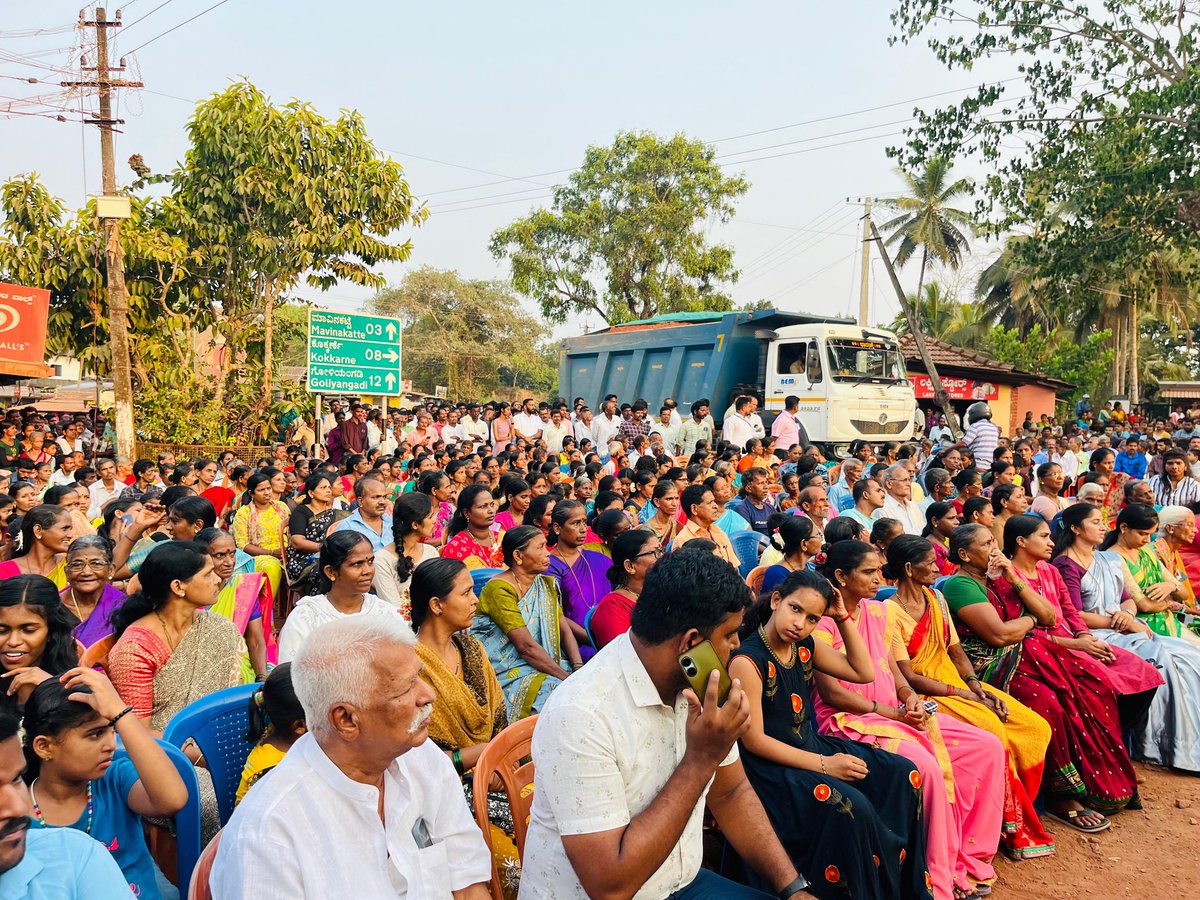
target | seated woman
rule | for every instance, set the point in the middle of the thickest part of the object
(437, 485)
(797, 538)
(472, 535)
(1175, 546)
(259, 526)
(960, 767)
(35, 634)
(1004, 624)
(1158, 595)
(1008, 500)
(1049, 501)
(521, 626)
(940, 521)
(1098, 585)
(665, 520)
(347, 573)
(89, 594)
(170, 651)
(246, 600)
(848, 814)
(634, 553)
(75, 499)
(581, 573)
(71, 725)
(938, 668)
(414, 518)
(41, 548)
(640, 504)
(517, 498)
(276, 722)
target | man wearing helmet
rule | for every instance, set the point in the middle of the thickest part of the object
(982, 435)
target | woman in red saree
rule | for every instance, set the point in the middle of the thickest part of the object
(1003, 621)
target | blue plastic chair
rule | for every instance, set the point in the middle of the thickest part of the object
(187, 820)
(217, 723)
(937, 585)
(745, 545)
(884, 592)
(481, 577)
(587, 625)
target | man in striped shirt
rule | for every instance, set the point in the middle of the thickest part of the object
(982, 436)
(1175, 486)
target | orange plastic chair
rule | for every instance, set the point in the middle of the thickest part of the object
(199, 889)
(507, 757)
(97, 654)
(755, 578)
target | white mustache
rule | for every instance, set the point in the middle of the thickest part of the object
(420, 718)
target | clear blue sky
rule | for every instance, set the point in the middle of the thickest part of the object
(522, 88)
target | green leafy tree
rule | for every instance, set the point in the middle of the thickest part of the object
(943, 318)
(626, 237)
(274, 195)
(1103, 117)
(469, 335)
(1086, 364)
(928, 224)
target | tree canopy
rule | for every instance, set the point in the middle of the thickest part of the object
(625, 237)
(471, 336)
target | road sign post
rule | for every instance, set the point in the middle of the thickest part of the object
(353, 353)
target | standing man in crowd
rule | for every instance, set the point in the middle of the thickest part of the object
(982, 436)
(698, 427)
(738, 429)
(636, 425)
(354, 430)
(787, 429)
(626, 757)
(555, 430)
(605, 425)
(668, 430)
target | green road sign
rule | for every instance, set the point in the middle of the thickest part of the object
(352, 353)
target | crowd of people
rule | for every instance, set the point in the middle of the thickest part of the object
(869, 675)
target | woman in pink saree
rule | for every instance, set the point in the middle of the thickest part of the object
(960, 768)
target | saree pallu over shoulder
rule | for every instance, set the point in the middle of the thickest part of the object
(207, 660)
(469, 710)
(500, 612)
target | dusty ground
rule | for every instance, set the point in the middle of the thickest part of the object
(1150, 854)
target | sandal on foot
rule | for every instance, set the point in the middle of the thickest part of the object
(1070, 817)
(982, 890)
(1135, 802)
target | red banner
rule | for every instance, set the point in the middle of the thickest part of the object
(23, 312)
(957, 388)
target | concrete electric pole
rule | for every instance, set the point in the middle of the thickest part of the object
(864, 311)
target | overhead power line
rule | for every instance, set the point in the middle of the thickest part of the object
(175, 27)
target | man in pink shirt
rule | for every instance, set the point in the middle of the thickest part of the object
(786, 429)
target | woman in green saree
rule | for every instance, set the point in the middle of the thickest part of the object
(521, 626)
(1159, 597)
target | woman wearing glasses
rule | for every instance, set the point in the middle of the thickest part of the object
(89, 593)
(634, 553)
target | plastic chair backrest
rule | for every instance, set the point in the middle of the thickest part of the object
(97, 654)
(217, 723)
(187, 820)
(587, 623)
(506, 757)
(198, 888)
(745, 545)
(755, 578)
(884, 592)
(481, 577)
(937, 585)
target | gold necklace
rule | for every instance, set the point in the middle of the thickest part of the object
(167, 632)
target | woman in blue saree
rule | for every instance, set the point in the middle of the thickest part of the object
(520, 623)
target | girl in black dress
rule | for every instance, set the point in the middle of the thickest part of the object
(848, 813)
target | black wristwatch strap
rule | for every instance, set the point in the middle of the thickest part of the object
(800, 884)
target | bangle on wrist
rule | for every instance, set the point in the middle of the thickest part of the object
(874, 707)
(112, 723)
(456, 758)
(824, 771)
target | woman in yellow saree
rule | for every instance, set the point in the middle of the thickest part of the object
(939, 669)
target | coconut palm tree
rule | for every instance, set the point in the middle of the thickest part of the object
(943, 318)
(1009, 293)
(928, 222)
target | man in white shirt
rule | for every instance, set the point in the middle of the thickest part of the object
(606, 425)
(897, 483)
(473, 427)
(526, 423)
(668, 430)
(583, 426)
(104, 489)
(625, 756)
(1068, 460)
(328, 421)
(673, 405)
(555, 430)
(364, 804)
(65, 474)
(738, 429)
(752, 416)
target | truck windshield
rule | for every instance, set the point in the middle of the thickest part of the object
(851, 360)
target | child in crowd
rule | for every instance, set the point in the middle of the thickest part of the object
(276, 722)
(71, 727)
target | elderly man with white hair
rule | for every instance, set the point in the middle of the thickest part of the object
(899, 505)
(364, 804)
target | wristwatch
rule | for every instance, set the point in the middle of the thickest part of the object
(800, 884)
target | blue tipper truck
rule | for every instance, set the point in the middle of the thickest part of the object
(850, 380)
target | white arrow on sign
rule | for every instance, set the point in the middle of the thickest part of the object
(391, 380)
(392, 356)
(391, 331)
